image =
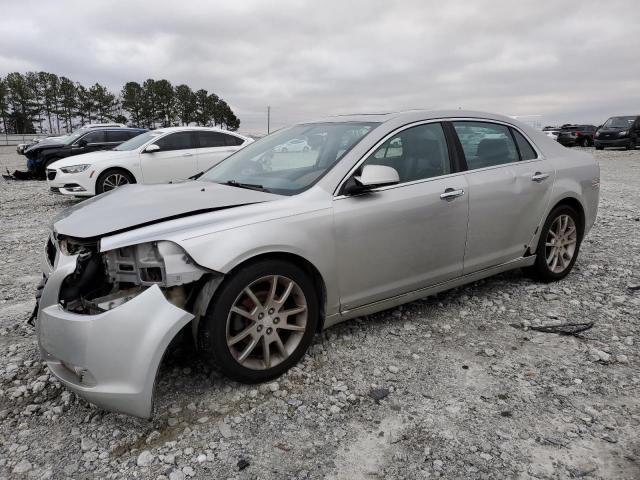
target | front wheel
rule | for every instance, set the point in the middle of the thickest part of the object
(558, 245)
(260, 322)
(599, 147)
(112, 179)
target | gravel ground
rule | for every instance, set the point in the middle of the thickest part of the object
(443, 387)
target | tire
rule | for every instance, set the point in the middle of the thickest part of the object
(629, 146)
(544, 268)
(599, 147)
(305, 149)
(585, 142)
(284, 150)
(113, 176)
(42, 170)
(221, 326)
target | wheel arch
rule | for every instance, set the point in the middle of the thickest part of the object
(300, 261)
(292, 258)
(112, 168)
(574, 203)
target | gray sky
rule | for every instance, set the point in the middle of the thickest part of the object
(568, 61)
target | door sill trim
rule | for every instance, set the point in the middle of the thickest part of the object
(396, 300)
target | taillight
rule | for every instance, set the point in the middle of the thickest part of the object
(578, 134)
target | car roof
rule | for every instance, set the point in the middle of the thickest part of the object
(414, 116)
(190, 128)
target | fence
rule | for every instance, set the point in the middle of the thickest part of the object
(16, 138)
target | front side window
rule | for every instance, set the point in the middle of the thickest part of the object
(486, 144)
(176, 141)
(94, 137)
(415, 153)
(269, 166)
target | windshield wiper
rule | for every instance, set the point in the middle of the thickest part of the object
(196, 176)
(249, 186)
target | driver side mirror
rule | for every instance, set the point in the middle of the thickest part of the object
(373, 176)
(152, 148)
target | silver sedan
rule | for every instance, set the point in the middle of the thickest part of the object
(267, 248)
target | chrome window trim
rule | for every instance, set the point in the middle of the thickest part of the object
(436, 120)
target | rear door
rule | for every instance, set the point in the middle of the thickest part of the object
(509, 185)
(215, 147)
(176, 159)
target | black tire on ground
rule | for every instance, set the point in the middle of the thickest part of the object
(540, 270)
(599, 147)
(100, 182)
(629, 146)
(212, 332)
(42, 170)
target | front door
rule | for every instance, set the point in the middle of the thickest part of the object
(509, 189)
(175, 161)
(400, 238)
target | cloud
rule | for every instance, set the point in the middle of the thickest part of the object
(308, 59)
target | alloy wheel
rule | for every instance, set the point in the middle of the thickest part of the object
(561, 243)
(114, 180)
(266, 322)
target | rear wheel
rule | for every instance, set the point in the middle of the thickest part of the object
(112, 179)
(599, 147)
(558, 245)
(260, 322)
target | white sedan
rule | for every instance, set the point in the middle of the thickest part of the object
(159, 156)
(293, 145)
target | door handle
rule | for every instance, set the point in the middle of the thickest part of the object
(451, 193)
(539, 177)
(187, 154)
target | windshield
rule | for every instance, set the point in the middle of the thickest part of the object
(291, 160)
(619, 122)
(137, 142)
(69, 139)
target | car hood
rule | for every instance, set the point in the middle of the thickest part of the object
(47, 143)
(93, 157)
(134, 206)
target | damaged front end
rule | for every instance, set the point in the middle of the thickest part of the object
(106, 318)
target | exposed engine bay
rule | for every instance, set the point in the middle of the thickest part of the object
(105, 280)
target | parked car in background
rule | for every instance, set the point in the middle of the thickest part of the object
(293, 145)
(257, 257)
(158, 156)
(619, 132)
(44, 153)
(576, 135)
(23, 146)
(551, 132)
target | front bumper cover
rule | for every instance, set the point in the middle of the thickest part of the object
(612, 142)
(110, 359)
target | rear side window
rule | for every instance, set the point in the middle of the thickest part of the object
(118, 136)
(486, 144)
(232, 140)
(94, 137)
(211, 139)
(526, 150)
(415, 153)
(176, 141)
